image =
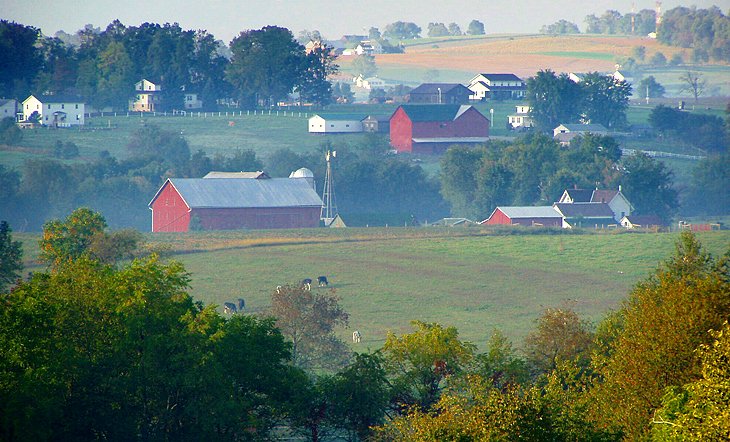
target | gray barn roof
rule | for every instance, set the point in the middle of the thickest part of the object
(515, 212)
(585, 210)
(244, 193)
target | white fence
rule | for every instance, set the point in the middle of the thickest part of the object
(657, 154)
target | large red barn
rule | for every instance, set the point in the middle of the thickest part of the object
(235, 203)
(525, 216)
(432, 128)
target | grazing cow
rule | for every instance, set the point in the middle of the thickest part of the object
(307, 283)
(229, 308)
(241, 304)
(322, 281)
(356, 337)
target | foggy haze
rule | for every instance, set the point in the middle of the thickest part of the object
(226, 18)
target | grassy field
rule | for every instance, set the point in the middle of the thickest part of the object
(475, 279)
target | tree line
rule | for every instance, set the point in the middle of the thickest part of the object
(556, 99)
(371, 188)
(118, 350)
(703, 30)
(535, 170)
(102, 66)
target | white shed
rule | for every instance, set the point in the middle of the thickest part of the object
(336, 123)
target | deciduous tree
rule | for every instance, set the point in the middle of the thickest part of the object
(11, 256)
(308, 319)
(419, 364)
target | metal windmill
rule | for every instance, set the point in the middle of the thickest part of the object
(329, 209)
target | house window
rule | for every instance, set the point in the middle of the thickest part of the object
(49, 106)
(78, 117)
(77, 106)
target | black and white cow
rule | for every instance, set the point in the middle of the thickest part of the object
(229, 308)
(307, 283)
(241, 304)
(322, 281)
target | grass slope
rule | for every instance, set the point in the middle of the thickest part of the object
(472, 279)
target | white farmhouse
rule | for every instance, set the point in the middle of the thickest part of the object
(54, 110)
(147, 97)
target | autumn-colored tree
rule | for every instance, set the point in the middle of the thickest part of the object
(70, 239)
(83, 233)
(308, 319)
(560, 335)
(649, 344)
(420, 363)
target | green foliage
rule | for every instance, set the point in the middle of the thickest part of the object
(706, 132)
(314, 86)
(651, 88)
(360, 394)
(20, 57)
(66, 150)
(605, 100)
(11, 256)
(258, 53)
(308, 319)
(475, 28)
(364, 65)
(648, 185)
(658, 59)
(500, 363)
(420, 364)
(533, 170)
(438, 30)
(651, 343)
(70, 239)
(700, 409)
(402, 31)
(10, 134)
(705, 30)
(553, 99)
(560, 27)
(709, 193)
(559, 335)
(613, 22)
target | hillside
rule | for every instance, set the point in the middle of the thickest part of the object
(459, 59)
(474, 279)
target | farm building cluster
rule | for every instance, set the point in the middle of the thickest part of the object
(585, 208)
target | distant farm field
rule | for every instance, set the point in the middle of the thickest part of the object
(452, 59)
(474, 279)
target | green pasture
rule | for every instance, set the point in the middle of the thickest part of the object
(469, 278)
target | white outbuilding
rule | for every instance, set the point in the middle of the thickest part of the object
(336, 123)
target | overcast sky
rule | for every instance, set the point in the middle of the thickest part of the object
(226, 18)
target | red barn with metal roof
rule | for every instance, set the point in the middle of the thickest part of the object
(525, 216)
(235, 203)
(432, 128)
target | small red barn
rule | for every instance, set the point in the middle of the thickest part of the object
(235, 203)
(432, 128)
(525, 216)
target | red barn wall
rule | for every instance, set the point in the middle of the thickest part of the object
(470, 124)
(401, 130)
(258, 218)
(498, 217)
(169, 211)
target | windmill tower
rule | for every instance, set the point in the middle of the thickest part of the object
(658, 17)
(329, 209)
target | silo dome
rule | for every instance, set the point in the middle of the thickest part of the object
(302, 173)
(306, 174)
